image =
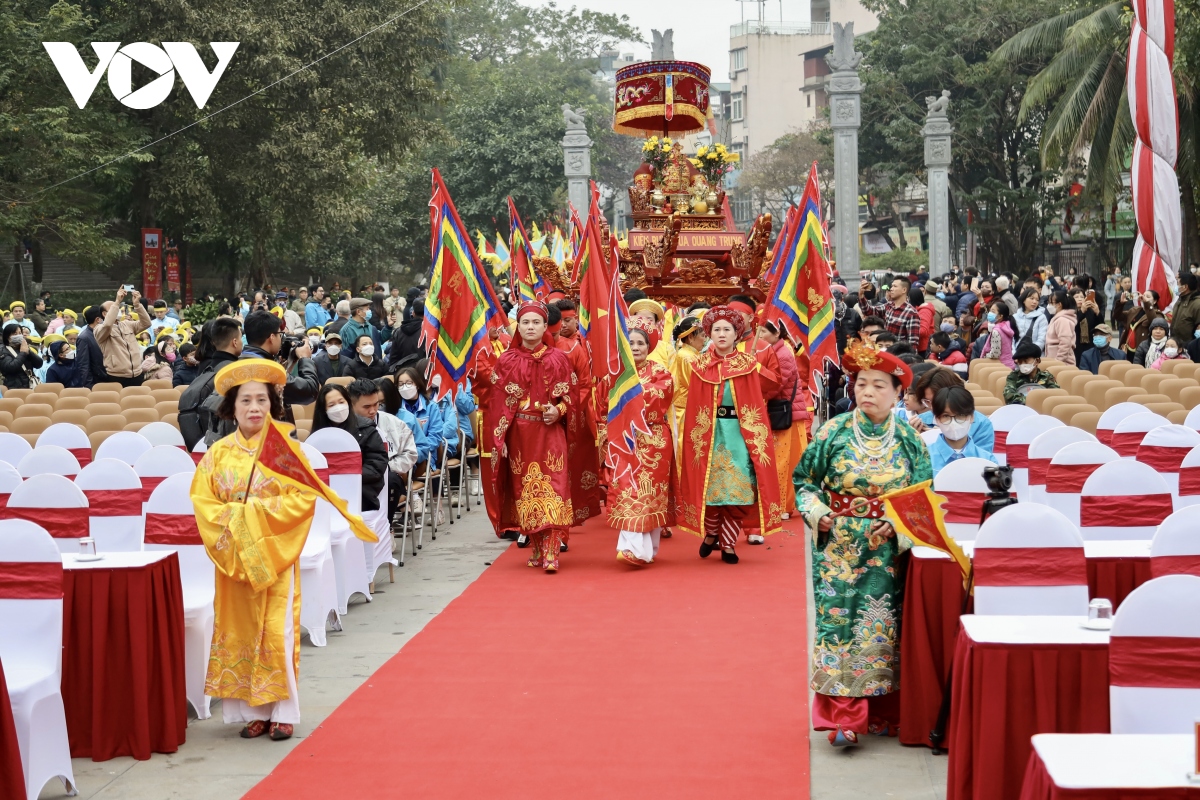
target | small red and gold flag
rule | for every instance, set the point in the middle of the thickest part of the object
(917, 513)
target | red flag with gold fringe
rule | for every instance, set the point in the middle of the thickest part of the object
(916, 512)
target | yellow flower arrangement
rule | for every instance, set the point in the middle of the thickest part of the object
(713, 162)
(656, 152)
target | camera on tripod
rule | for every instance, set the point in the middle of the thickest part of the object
(999, 483)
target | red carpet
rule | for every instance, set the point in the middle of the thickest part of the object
(682, 680)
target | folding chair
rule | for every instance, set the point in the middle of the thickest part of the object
(318, 583)
(1175, 548)
(1019, 439)
(961, 483)
(1029, 560)
(1129, 432)
(1164, 449)
(1123, 499)
(1111, 416)
(1042, 450)
(171, 525)
(31, 626)
(160, 433)
(114, 493)
(159, 463)
(1151, 700)
(9, 480)
(344, 456)
(1003, 420)
(124, 446)
(49, 459)
(1189, 479)
(54, 503)
(70, 437)
(13, 448)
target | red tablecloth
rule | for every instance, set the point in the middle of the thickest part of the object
(12, 774)
(123, 660)
(1039, 786)
(933, 595)
(1002, 694)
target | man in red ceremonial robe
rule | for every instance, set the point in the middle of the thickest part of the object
(728, 480)
(481, 381)
(529, 399)
(584, 459)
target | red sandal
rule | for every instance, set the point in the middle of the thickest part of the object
(280, 731)
(254, 729)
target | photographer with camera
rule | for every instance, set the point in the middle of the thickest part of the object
(117, 337)
(266, 338)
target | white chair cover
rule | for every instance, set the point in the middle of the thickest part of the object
(318, 581)
(1069, 469)
(173, 498)
(349, 552)
(124, 446)
(1003, 420)
(13, 448)
(9, 480)
(48, 460)
(379, 553)
(1175, 548)
(1109, 419)
(930, 436)
(1124, 499)
(1193, 419)
(199, 450)
(1042, 450)
(1143, 700)
(70, 437)
(42, 498)
(1164, 448)
(161, 433)
(1031, 583)
(1189, 479)
(31, 649)
(114, 532)
(963, 479)
(1019, 439)
(161, 462)
(1130, 432)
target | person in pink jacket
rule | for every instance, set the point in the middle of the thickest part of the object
(792, 386)
(1060, 335)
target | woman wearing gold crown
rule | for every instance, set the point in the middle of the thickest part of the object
(642, 502)
(853, 459)
(253, 528)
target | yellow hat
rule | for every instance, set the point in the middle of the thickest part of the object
(277, 311)
(646, 304)
(15, 303)
(68, 331)
(312, 331)
(248, 370)
(66, 312)
(51, 338)
(85, 308)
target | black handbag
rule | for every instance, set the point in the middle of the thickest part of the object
(779, 411)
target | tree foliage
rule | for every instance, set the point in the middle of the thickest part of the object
(775, 177)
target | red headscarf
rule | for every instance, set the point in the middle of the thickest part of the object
(726, 314)
(534, 306)
(647, 327)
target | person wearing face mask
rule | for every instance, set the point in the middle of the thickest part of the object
(18, 360)
(62, 367)
(1060, 333)
(331, 362)
(1172, 351)
(365, 363)
(187, 365)
(1100, 351)
(953, 411)
(159, 363)
(334, 409)
(1151, 348)
(1027, 375)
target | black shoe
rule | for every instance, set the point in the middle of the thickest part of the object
(509, 535)
(706, 548)
(562, 548)
(522, 541)
(728, 557)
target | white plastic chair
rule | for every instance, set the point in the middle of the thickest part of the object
(1019, 439)
(1108, 421)
(13, 448)
(1193, 419)
(1138, 700)
(48, 460)
(42, 500)
(1003, 420)
(1130, 432)
(31, 649)
(173, 498)
(124, 446)
(349, 552)
(114, 493)
(1123, 499)
(159, 463)
(161, 433)
(318, 583)
(1189, 480)
(199, 450)
(1175, 548)
(1069, 469)
(1035, 583)
(9, 480)
(70, 437)
(962, 483)
(380, 553)
(1164, 448)
(1042, 450)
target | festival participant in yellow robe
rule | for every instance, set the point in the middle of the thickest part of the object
(641, 502)
(689, 341)
(652, 311)
(253, 528)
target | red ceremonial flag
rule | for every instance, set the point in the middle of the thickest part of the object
(279, 456)
(152, 263)
(916, 512)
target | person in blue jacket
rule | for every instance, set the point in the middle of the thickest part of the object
(954, 414)
(982, 433)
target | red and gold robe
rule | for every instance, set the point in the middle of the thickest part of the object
(643, 500)
(481, 382)
(583, 458)
(749, 379)
(529, 457)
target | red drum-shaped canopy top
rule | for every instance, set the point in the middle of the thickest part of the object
(661, 97)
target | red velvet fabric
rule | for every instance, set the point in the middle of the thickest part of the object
(1030, 566)
(1163, 459)
(1037, 471)
(197, 457)
(1189, 481)
(148, 487)
(323, 474)
(1174, 565)
(61, 523)
(12, 773)
(114, 502)
(31, 580)
(1001, 443)
(932, 603)
(348, 463)
(1126, 444)
(1018, 455)
(1104, 436)
(965, 507)
(1163, 661)
(1002, 694)
(82, 454)
(1068, 478)
(1038, 785)
(123, 660)
(3, 500)
(172, 529)
(1123, 511)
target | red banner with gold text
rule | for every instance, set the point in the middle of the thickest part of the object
(152, 263)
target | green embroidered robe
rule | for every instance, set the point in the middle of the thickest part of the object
(855, 585)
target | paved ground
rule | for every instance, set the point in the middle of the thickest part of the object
(215, 764)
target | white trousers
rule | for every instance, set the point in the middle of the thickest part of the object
(285, 711)
(642, 545)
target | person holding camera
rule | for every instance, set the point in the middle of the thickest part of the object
(266, 338)
(117, 337)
